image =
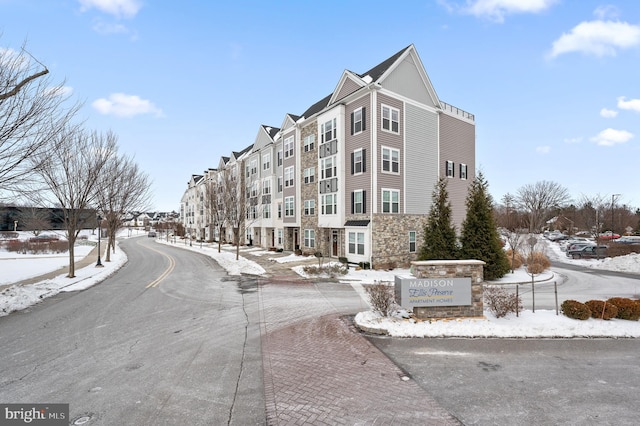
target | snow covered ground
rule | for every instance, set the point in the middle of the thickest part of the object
(539, 324)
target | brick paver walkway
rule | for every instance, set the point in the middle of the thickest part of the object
(318, 370)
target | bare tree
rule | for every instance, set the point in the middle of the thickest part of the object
(540, 199)
(70, 171)
(35, 219)
(32, 114)
(214, 204)
(122, 187)
(234, 204)
(511, 222)
(592, 211)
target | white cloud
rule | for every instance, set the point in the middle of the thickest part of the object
(599, 38)
(123, 105)
(611, 137)
(543, 149)
(608, 113)
(606, 11)
(632, 104)
(573, 140)
(496, 10)
(59, 91)
(102, 27)
(117, 8)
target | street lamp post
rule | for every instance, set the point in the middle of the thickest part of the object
(99, 263)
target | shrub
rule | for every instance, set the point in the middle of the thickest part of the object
(628, 309)
(576, 310)
(381, 298)
(501, 302)
(364, 265)
(539, 258)
(331, 269)
(602, 310)
(516, 260)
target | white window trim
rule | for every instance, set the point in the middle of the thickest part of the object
(288, 147)
(391, 151)
(355, 210)
(463, 176)
(391, 110)
(361, 121)
(309, 143)
(289, 212)
(289, 174)
(361, 162)
(413, 234)
(391, 192)
(450, 172)
(266, 161)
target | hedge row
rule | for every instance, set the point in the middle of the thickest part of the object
(616, 307)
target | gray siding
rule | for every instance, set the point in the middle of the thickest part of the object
(421, 158)
(347, 88)
(406, 80)
(390, 140)
(457, 144)
(353, 142)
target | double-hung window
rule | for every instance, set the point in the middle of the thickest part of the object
(328, 131)
(266, 211)
(288, 177)
(328, 167)
(390, 119)
(358, 120)
(449, 169)
(266, 161)
(390, 160)
(288, 147)
(356, 243)
(279, 183)
(309, 207)
(358, 161)
(254, 166)
(390, 201)
(309, 142)
(309, 238)
(289, 207)
(463, 171)
(309, 175)
(412, 241)
(329, 203)
(358, 202)
(279, 158)
(266, 187)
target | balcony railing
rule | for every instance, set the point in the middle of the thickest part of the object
(457, 111)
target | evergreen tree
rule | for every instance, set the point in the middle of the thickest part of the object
(439, 233)
(480, 239)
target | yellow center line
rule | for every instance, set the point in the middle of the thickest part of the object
(165, 274)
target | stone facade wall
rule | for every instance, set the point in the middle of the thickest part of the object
(309, 191)
(452, 269)
(390, 239)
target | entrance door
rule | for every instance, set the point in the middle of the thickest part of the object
(296, 241)
(334, 243)
(273, 238)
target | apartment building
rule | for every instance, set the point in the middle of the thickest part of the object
(353, 175)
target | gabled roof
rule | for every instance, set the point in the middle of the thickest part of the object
(317, 107)
(376, 72)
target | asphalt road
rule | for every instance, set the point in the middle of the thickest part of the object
(525, 381)
(166, 340)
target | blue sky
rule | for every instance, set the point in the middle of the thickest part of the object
(554, 84)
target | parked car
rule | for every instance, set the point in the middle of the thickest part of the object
(152, 234)
(608, 235)
(588, 252)
(44, 238)
(628, 239)
(566, 244)
(578, 246)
